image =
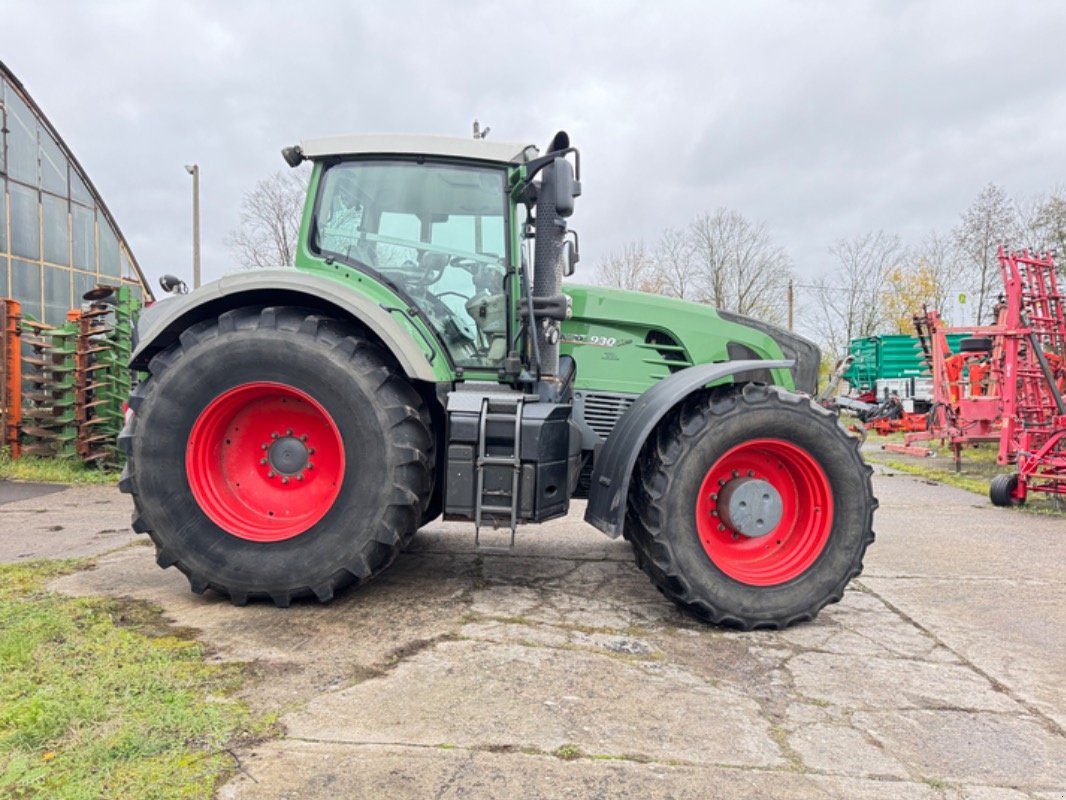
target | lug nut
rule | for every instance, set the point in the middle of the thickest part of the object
(274, 435)
(263, 461)
(751, 473)
(264, 447)
(310, 465)
(310, 451)
(271, 474)
(714, 496)
(736, 474)
(303, 437)
(300, 477)
(714, 512)
(284, 480)
(721, 527)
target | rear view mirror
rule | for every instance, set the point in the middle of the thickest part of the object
(567, 187)
(172, 284)
(571, 255)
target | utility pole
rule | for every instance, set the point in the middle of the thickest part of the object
(194, 170)
(791, 303)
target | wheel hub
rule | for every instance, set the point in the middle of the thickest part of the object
(750, 506)
(288, 455)
(265, 461)
(764, 511)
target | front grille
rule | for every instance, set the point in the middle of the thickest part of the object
(602, 411)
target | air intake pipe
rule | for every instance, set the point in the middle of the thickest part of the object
(555, 202)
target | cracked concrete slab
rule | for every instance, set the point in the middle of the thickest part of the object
(558, 670)
(321, 770)
(957, 746)
(72, 522)
(483, 695)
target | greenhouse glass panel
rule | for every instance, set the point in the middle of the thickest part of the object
(84, 235)
(83, 282)
(108, 250)
(26, 285)
(25, 229)
(56, 238)
(53, 166)
(21, 139)
(3, 219)
(78, 190)
(56, 295)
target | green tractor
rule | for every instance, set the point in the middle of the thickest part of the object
(423, 358)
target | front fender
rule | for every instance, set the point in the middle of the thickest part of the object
(163, 322)
(616, 460)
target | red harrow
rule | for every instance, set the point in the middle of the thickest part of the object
(1006, 384)
(1033, 344)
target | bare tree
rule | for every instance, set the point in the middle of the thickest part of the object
(938, 258)
(738, 267)
(991, 220)
(676, 264)
(848, 302)
(630, 268)
(1045, 221)
(270, 221)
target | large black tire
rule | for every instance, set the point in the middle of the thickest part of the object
(682, 453)
(382, 427)
(1001, 491)
(976, 344)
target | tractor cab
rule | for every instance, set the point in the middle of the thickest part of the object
(438, 232)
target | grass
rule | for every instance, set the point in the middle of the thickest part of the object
(52, 470)
(98, 698)
(568, 752)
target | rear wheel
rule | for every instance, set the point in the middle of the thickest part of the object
(751, 508)
(277, 453)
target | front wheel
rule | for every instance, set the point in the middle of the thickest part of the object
(751, 507)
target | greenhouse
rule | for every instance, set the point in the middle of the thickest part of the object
(57, 238)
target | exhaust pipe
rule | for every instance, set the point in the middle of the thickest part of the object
(555, 202)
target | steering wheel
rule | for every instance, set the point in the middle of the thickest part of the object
(422, 273)
(469, 264)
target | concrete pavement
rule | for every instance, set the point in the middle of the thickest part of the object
(559, 671)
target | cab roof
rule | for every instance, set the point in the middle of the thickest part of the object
(414, 144)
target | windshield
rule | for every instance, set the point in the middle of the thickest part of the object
(436, 231)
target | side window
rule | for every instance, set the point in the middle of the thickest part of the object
(405, 227)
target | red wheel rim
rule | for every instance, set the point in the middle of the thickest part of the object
(806, 505)
(265, 461)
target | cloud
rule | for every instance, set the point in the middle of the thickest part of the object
(823, 119)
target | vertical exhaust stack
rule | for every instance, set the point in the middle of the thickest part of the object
(555, 202)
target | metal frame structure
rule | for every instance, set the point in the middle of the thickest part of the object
(1016, 399)
(965, 410)
(1032, 377)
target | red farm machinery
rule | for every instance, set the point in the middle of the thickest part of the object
(1006, 382)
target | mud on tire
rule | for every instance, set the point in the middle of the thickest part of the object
(382, 460)
(761, 423)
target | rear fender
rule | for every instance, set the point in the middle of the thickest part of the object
(615, 461)
(163, 322)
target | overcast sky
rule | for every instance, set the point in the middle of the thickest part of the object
(823, 119)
